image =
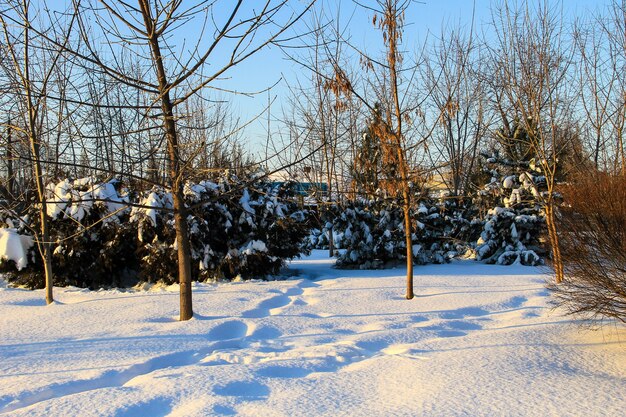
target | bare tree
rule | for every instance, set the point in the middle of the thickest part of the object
(599, 76)
(323, 113)
(394, 93)
(178, 73)
(32, 62)
(391, 22)
(457, 92)
(532, 68)
(615, 29)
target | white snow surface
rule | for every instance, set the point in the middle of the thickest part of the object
(509, 182)
(14, 247)
(477, 340)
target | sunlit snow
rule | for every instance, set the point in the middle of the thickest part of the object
(478, 340)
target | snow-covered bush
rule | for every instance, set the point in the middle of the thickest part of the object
(514, 221)
(373, 232)
(444, 228)
(361, 232)
(322, 227)
(16, 241)
(507, 236)
(235, 229)
(94, 245)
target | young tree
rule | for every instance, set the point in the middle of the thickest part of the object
(393, 137)
(31, 64)
(532, 69)
(393, 94)
(151, 30)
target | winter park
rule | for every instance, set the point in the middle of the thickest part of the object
(312, 208)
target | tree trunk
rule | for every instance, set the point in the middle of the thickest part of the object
(10, 173)
(184, 263)
(392, 57)
(176, 175)
(44, 238)
(409, 241)
(35, 146)
(554, 242)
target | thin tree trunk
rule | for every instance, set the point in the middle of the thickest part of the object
(409, 242)
(44, 238)
(10, 173)
(180, 213)
(397, 135)
(44, 245)
(554, 242)
(35, 145)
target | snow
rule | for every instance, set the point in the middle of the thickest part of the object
(106, 192)
(81, 204)
(245, 202)
(477, 340)
(153, 201)
(58, 195)
(253, 247)
(66, 197)
(509, 181)
(14, 247)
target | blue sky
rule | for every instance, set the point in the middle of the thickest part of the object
(424, 19)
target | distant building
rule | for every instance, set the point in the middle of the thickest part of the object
(306, 189)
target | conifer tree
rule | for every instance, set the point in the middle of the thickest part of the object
(367, 169)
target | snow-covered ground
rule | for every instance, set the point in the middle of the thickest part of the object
(477, 340)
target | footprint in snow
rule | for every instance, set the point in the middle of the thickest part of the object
(461, 313)
(405, 351)
(155, 407)
(265, 333)
(233, 329)
(307, 283)
(224, 410)
(515, 302)
(247, 390)
(450, 333)
(463, 325)
(280, 371)
(454, 328)
(372, 346)
(265, 307)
